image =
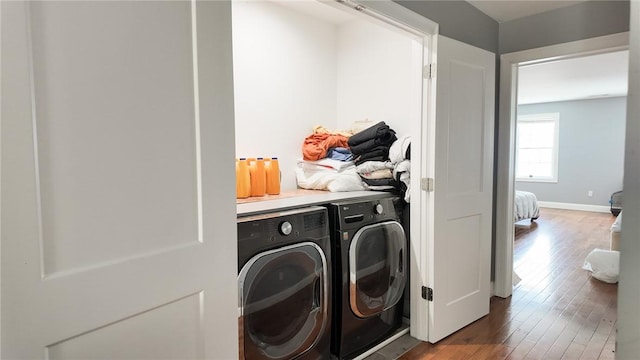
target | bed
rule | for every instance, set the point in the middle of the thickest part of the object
(526, 206)
(614, 236)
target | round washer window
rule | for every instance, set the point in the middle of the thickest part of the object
(376, 268)
(283, 301)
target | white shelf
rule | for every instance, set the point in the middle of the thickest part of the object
(299, 198)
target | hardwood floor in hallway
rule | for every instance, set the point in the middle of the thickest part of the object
(557, 310)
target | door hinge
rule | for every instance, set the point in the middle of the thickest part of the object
(427, 293)
(428, 71)
(426, 184)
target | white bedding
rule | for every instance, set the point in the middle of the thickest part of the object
(526, 206)
(328, 174)
(617, 225)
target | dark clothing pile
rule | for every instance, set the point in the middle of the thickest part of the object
(382, 160)
(372, 144)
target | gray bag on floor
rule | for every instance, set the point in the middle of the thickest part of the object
(616, 203)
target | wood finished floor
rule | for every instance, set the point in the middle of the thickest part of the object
(557, 311)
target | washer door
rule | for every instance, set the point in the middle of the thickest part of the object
(283, 300)
(376, 268)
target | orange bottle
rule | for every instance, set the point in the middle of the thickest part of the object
(258, 177)
(243, 180)
(272, 169)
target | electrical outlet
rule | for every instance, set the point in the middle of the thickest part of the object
(590, 193)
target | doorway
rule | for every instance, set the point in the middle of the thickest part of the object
(506, 144)
(570, 130)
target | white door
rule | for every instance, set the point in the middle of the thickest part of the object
(118, 229)
(459, 251)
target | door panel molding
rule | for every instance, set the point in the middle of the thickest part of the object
(460, 247)
(72, 186)
(172, 238)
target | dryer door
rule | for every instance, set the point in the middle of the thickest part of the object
(283, 300)
(377, 268)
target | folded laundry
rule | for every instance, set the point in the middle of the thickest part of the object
(363, 147)
(372, 144)
(401, 167)
(324, 164)
(371, 166)
(402, 173)
(375, 152)
(388, 188)
(380, 153)
(315, 146)
(340, 153)
(381, 182)
(360, 161)
(378, 174)
(398, 150)
(346, 179)
(380, 131)
(319, 129)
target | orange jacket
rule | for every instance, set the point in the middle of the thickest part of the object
(316, 145)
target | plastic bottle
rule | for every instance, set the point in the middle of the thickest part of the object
(272, 169)
(258, 177)
(243, 180)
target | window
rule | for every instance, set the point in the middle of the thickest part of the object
(537, 147)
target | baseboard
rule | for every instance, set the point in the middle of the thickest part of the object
(569, 206)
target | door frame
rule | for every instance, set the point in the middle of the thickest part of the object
(509, 63)
(426, 30)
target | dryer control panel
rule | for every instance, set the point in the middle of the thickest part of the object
(352, 215)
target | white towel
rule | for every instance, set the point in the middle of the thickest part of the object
(371, 166)
(403, 169)
(332, 180)
(398, 150)
(324, 164)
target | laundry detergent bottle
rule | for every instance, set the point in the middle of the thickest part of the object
(243, 179)
(272, 170)
(258, 177)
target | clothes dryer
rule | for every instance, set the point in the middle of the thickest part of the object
(369, 267)
(284, 285)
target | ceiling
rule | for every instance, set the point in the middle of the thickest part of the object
(506, 10)
(587, 77)
(499, 10)
(602, 75)
(595, 76)
(317, 9)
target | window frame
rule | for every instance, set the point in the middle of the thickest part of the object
(539, 118)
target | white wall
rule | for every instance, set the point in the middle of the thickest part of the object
(293, 71)
(375, 71)
(284, 78)
(590, 154)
